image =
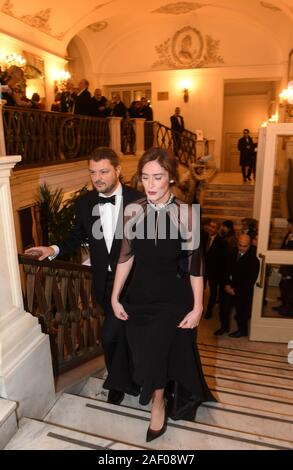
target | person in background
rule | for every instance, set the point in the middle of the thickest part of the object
(215, 257)
(36, 102)
(240, 276)
(246, 149)
(177, 126)
(228, 234)
(83, 100)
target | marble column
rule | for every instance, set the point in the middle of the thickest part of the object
(115, 134)
(25, 359)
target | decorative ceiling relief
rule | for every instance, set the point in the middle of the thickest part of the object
(188, 49)
(39, 20)
(270, 6)
(97, 27)
(179, 8)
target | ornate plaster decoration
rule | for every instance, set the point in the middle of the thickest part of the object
(39, 20)
(270, 6)
(188, 49)
(97, 27)
(179, 8)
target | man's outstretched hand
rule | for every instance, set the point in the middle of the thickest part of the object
(40, 252)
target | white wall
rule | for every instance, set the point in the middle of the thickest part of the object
(245, 111)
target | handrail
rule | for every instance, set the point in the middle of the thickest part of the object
(60, 294)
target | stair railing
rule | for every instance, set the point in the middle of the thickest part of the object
(60, 295)
(190, 152)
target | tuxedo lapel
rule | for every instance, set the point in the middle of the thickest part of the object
(94, 215)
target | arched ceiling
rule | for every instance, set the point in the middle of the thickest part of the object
(51, 24)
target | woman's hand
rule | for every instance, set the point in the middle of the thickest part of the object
(192, 319)
(119, 311)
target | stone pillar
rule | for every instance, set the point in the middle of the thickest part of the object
(115, 134)
(26, 374)
(139, 136)
(2, 139)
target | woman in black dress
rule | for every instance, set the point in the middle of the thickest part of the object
(157, 356)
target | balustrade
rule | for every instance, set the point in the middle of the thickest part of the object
(60, 295)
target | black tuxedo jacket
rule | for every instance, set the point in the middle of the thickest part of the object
(83, 103)
(175, 125)
(82, 232)
(246, 149)
(215, 258)
(242, 274)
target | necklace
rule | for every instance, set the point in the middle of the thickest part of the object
(160, 206)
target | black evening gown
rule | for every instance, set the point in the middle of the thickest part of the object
(152, 352)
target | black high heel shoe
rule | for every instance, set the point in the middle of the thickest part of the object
(152, 434)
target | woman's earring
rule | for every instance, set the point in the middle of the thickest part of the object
(171, 181)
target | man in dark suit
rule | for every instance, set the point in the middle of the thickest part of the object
(246, 148)
(83, 101)
(241, 274)
(215, 257)
(177, 126)
(99, 222)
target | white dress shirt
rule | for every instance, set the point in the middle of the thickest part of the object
(109, 216)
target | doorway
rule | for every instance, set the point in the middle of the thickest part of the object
(247, 104)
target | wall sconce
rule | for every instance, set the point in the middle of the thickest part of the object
(61, 78)
(185, 95)
(286, 99)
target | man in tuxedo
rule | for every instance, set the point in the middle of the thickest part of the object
(177, 126)
(215, 257)
(83, 101)
(241, 274)
(99, 222)
(246, 148)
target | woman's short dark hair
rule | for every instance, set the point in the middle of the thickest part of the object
(164, 158)
(105, 153)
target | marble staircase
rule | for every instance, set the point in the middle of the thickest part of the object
(226, 197)
(254, 390)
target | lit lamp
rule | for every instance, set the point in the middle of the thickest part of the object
(61, 78)
(286, 99)
(185, 86)
(185, 95)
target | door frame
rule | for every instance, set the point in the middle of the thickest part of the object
(263, 328)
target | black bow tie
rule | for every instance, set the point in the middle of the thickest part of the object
(105, 200)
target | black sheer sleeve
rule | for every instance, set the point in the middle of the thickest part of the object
(192, 258)
(132, 214)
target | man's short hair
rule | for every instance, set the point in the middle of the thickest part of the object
(105, 153)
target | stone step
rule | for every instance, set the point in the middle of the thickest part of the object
(264, 423)
(247, 352)
(228, 211)
(8, 421)
(111, 421)
(242, 362)
(249, 187)
(37, 435)
(226, 201)
(237, 195)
